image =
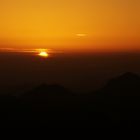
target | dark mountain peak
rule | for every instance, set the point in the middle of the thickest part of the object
(53, 87)
(125, 83)
(41, 86)
(126, 79)
(45, 90)
(129, 76)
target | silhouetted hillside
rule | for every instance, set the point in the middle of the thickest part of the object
(115, 105)
(43, 92)
(120, 98)
(50, 95)
(54, 102)
(47, 89)
(124, 84)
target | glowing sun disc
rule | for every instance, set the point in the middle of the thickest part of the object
(43, 54)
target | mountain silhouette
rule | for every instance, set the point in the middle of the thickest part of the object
(45, 90)
(120, 98)
(125, 84)
(118, 101)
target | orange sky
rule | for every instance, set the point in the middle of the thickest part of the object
(70, 24)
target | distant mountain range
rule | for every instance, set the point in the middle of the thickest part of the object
(118, 101)
(125, 83)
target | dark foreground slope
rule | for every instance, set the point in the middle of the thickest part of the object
(115, 105)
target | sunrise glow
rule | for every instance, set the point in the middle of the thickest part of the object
(70, 25)
(43, 54)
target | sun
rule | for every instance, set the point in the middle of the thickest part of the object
(43, 54)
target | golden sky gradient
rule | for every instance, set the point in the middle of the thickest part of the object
(70, 24)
